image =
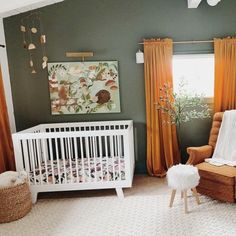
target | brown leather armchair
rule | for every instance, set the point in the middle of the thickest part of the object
(215, 181)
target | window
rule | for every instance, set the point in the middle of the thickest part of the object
(197, 71)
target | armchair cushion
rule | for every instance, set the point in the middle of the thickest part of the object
(198, 154)
(217, 182)
(224, 174)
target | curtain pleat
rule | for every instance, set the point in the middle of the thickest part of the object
(162, 145)
(6, 148)
(225, 74)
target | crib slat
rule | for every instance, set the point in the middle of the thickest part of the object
(69, 157)
(35, 152)
(58, 163)
(119, 155)
(95, 146)
(115, 145)
(106, 151)
(76, 159)
(91, 144)
(29, 155)
(63, 157)
(95, 157)
(112, 155)
(26, 156)
(37, 141)
(66, 146)
(100, 155)
(32, 157)
(82, 159)
(122, 152)
(40, 149)
(51, 160)
(88, 156)
(44, 158)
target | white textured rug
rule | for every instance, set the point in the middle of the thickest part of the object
(133, 216)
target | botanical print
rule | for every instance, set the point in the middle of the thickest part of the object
(84, 87)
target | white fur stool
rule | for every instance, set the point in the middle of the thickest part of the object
(183, 177)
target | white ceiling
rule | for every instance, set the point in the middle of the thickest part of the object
(14, 7)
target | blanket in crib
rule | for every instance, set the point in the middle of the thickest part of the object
(225, 150)
(85, 170)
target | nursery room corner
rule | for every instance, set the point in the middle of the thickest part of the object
(117, 117)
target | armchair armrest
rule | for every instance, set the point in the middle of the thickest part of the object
(198, 154)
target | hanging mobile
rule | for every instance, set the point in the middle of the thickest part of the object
(34, 29)
(33, 71)
(45, 62)
(42, 35)
(23, 30)
(31, 45)
(43, 41)
(31, 63)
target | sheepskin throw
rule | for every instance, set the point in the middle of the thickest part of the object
(225, 150)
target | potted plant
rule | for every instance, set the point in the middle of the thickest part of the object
(181, 106)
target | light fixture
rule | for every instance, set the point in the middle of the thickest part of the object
(213, 2)
(82, 55)
(139, 57)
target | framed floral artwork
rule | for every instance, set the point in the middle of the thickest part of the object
(84, 87)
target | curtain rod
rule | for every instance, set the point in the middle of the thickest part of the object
(191, 42)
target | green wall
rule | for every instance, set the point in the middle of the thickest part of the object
(112, 30)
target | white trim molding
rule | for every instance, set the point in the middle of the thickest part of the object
(6, 79)
(14, 7)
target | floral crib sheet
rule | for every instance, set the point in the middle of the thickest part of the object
(89, 170)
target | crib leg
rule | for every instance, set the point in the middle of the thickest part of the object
(34, 197)
(120, 193)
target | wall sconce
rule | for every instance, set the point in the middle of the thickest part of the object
(139, 57)
(213, 2)
(82, 55)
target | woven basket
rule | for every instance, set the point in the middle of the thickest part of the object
(15, 202)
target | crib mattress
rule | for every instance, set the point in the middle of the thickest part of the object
(88, 170)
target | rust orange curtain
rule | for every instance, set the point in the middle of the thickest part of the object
(6, 148)
(162, 146)
(225, 74)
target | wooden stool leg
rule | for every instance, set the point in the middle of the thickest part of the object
(172, 197)
(196, 195)
(185, 201)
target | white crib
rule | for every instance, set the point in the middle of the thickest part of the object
(76, 156)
